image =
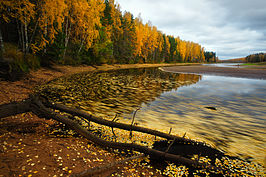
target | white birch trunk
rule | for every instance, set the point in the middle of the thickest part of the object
(22, 37)
(82, 42)
(2, 49)
(45, 35)
(26, 36)
(68, 31)
(33, 34)
(19, 34)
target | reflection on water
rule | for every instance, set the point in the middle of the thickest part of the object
(115, 92)
(238, 126)
(229, 65)
(178, 101)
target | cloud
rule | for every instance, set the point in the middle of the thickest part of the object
(231, 28)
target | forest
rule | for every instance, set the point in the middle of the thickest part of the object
(38, 33)
(255, 58)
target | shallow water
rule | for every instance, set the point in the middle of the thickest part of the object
(237, 126)
(176, 101)
(229, 65)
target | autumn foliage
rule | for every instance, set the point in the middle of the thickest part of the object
(88, 32)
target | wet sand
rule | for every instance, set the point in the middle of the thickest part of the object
(253, 73)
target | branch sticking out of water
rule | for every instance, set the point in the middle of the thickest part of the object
(133, 119)
(170, 131)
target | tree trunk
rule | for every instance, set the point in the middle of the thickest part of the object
(68, 30)
(33, 34)
(14, 108)
(2, 49)
(22, 37)
(26, 36)
(108, 123)
(82, 42)
(19, 34)
(45, 35)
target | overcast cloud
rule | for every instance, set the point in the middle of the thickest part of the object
(231, 28)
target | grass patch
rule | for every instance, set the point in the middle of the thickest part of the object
(255, 64)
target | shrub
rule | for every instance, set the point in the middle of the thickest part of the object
(18, 64)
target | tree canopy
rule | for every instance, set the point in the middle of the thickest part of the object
(88, 32)
(254, 58)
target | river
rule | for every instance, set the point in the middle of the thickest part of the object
(226, 112)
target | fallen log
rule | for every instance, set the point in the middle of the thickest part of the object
(35, 105)
(113, 124)
(115, 145)
(15, 108)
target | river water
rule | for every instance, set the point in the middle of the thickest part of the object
(226, 112)
(229, 65)
(236, 126)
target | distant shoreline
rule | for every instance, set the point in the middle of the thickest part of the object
(252, 73)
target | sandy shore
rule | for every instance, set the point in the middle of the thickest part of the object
(254, 73)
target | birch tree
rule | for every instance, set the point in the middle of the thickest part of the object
(82, 22)
(23, 12)
(50, 17)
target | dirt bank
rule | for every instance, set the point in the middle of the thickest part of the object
(254, 73)
(27, 148)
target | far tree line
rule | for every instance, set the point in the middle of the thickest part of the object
(254, 58)
(86, 32)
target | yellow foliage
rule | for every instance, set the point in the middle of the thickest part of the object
(51, 15)
(4, 14)
(85, 17)
(114, 31)
(147, 38)
(23, 10)
(80, 21)
(139, 36)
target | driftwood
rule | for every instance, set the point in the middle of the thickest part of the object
(15, 108)
(123, 126)
(41, 108)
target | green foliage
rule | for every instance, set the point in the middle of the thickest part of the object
(56, 49)
(103, 52)
(255, 64)
(174, 53)
(254, 58)
(107, 18)
(18, 61)
(210, 57)
(124, 47)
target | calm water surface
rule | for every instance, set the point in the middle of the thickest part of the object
(237, 126)
(177, 101)
(229, 65)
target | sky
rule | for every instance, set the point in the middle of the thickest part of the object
(231, 28)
